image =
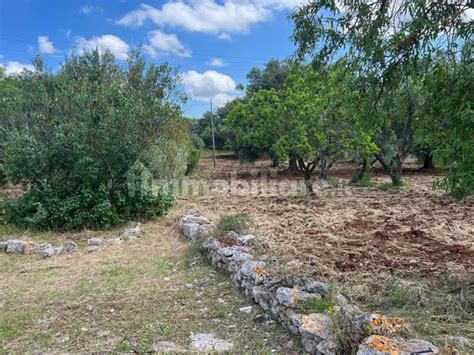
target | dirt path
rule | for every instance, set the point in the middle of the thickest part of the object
(141, 296)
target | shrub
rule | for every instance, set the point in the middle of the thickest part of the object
(361, 180)
(193, 159)
(240, 223)
(3, 175)
(83, 141)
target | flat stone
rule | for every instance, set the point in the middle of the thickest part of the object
(96, 242)
(114, 241)
(381, 345)
(15, 247)
(70, 246)
(205, 342)
(246, 310)
(194, 219)
(91, 249)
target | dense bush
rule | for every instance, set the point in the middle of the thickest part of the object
(3, 176)
(83, 138)
(193, 159)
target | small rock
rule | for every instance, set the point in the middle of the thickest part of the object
(204, 342)
(246, 310)
(91, 249)
(97, 242)
(50, 251)
(114, 241)
(103, 333)
(133, 231)
(15, 247)
(70, 246)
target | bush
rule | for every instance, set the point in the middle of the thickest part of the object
(241, 223)
(84, 139)
(361, 180)
(3, 175)
(193, 159)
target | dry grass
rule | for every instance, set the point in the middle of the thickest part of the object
(407, 251)
(141, 292)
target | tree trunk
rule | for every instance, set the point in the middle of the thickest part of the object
(396, 171)
(307, 182)
(275, 162)
(428, 161)
(293, 164)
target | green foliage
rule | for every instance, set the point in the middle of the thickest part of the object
(241, 223)
(84, 139)
(325, 304)
(3, 175)
(193, 159)
(361, 180)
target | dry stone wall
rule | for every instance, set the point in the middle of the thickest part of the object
(46, 250)
(332, 331)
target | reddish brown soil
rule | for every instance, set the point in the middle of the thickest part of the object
(345, 230)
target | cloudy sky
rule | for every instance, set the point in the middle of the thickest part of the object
(213, 42)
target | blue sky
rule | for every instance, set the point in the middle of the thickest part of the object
(213, 42)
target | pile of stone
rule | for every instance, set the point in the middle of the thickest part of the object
(46, 250)
(282, 297)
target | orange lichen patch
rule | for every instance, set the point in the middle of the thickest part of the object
(308, 324)
(379, 322)
(317, 324)
(259, 271)
(385, 345)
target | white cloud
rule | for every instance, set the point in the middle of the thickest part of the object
(219, 18)
(160, 43)
(209, 85)
(13, 68)
(216, 62)
(114, 44)
(45, 45)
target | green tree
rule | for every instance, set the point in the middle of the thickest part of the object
(84, 150)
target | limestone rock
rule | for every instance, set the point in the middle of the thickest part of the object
(246, 310)
(191, 230)
(317, 287)
(381, 345)
(290, 297)
(132, 231)
(15, 246)
(49, 252)
(91, 249)
(246, 240)
(70, 246)
(114, 241)
(204, 342)
(98, 242)
(379, 324)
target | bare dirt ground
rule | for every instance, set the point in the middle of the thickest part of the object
(407, 252)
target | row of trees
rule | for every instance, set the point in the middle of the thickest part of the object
(89, 139)
(385, 80)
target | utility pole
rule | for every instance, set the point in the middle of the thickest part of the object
(213, 139)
